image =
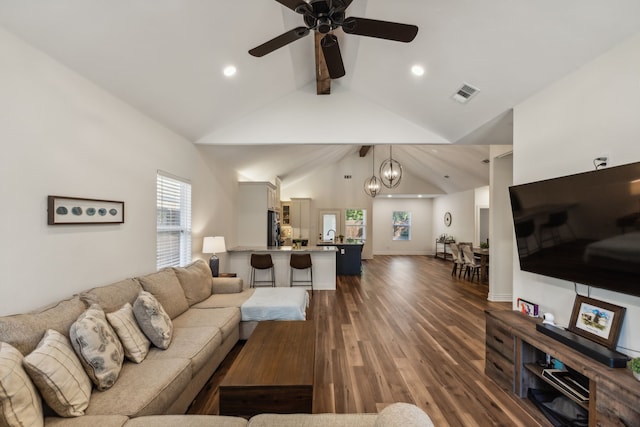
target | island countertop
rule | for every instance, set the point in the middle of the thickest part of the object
(283, 249)
(323, 260)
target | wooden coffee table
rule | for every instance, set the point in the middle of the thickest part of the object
(273, 372)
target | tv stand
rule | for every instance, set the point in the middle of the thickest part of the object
(513, 348)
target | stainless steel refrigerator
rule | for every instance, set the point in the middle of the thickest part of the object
(273, 228)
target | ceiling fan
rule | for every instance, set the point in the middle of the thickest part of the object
(324, 16)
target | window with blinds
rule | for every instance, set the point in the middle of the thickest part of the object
(173, 221)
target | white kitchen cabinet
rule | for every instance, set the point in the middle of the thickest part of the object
(300, 215)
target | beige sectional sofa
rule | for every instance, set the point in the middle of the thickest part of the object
(206, 322)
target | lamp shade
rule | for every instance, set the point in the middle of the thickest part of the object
(213, 245)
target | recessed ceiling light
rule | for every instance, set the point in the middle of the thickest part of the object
(419, 196)
(230, 71)
(389, 195)
(417, 70)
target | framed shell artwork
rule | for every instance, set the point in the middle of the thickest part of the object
(74, 210)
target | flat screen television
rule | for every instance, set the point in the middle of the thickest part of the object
(584, 228)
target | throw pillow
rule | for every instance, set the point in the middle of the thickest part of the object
(402, 415)
(165, 286)
(195, 280)
(98, 347)
(56, 371)
(135, 343)
(153, 320)
(20, 403)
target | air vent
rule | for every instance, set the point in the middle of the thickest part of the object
(465, 93)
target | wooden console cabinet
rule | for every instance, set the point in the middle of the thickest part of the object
(513, 346)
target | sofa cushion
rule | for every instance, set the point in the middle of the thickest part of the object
(195, 280)
(225, 319)
(134, 342)
(112, 297)
(225, 300)
(187, 421)
(24, 331)
(226, 285)
(403, 415)
(153, 320)
(97, 346)
(147, 388)
(20, 403)
(87, 421)
(165, 286)
(194, 344)
(56, 371)
(312, 420)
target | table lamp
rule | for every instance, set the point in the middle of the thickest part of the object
(214, 245)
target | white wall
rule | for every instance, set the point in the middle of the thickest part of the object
(421, 242)
(462, 208)
(62, 135)
(592, 112)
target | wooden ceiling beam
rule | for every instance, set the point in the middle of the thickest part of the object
(364, 150)
(323, 81)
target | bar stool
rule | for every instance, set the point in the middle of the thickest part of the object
(261, 262)
(301, 262)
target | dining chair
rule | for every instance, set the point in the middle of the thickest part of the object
(458, 262)
(471, 266)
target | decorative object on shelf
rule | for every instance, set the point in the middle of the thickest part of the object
(445, 238)
(597, 320)
(74, 210)
(634, 365)
(447, 219)
(372, 184)
(391, 171)
(341, 237)
(528, 308)
(214, 245)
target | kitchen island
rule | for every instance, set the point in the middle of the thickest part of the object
(322, 257)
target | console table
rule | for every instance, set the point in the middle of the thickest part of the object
(513, 346)
(444, 251)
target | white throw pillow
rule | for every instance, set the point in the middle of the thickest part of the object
(20, 403)
(55, 369)
(135, 343)
(98, 347)
(153, 320)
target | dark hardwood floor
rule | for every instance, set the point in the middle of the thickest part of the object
(406, 331)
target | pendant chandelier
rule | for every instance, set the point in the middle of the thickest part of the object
(372, 184)
(390, 171)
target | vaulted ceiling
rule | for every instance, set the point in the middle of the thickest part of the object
(166, 58)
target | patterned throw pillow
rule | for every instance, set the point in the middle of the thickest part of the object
(20, 403)
(98, 347)
(135, 343)
(153, 320)
(56, 371)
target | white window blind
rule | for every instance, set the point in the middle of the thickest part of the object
(173, 221)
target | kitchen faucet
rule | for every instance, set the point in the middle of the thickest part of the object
(334, 233)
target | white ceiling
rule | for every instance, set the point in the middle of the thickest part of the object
(166, 58)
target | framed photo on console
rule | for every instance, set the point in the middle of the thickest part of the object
(597, 320)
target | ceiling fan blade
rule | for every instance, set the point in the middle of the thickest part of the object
(280, 41)
(294, 4)
(332, 56)
(380, 29)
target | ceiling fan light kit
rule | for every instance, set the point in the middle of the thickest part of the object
(324, 16)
